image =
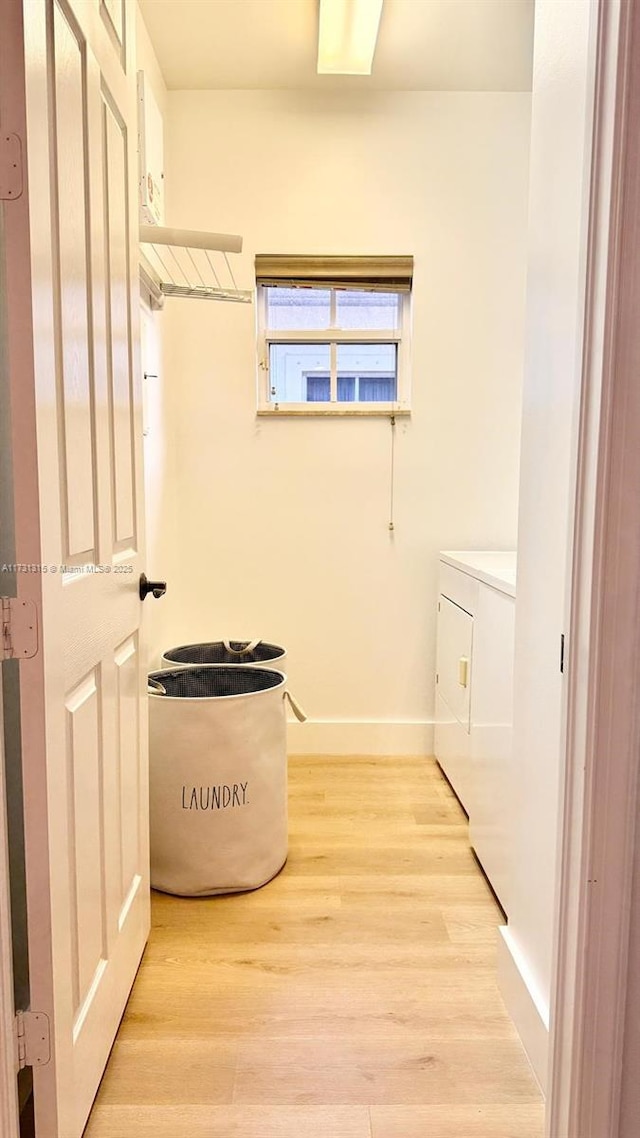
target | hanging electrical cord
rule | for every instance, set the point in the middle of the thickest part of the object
(392, 470)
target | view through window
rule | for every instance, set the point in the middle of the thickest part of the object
(331, 345)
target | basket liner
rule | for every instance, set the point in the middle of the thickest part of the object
(214, 682)
(215, 652)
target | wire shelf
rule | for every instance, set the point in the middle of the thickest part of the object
(189, 263)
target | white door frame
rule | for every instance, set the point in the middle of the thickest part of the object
(9, 1125)
(598, 829)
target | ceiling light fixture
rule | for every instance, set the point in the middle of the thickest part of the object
(347, 36)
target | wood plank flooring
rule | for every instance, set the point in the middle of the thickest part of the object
(353, 997)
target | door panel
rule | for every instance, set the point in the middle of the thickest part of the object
(492, 737)
(455, 632)
(87, 866)
(113, 15)
(452, 743)
(119, 347)
(129, 805)
(69, 192)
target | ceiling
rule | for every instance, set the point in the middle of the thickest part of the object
(423, 45)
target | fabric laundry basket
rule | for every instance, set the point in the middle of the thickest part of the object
(240, 652)
(218, 778)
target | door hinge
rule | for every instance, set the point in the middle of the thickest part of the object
(11, 181)
(33, 1039)
(19, 629)
(562, 653)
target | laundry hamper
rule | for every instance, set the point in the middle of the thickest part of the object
(218, 778)
(227, 652)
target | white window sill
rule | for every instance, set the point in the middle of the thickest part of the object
(288, 411)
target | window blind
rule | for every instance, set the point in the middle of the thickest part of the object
(380, 274)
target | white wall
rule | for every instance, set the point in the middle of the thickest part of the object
(159, 452)
(146, 60)
(283, 526)
(560, 152)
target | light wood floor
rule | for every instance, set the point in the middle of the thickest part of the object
(352, 997)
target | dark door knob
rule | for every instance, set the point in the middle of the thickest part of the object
(158, 588)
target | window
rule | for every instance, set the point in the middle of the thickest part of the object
(333, 335)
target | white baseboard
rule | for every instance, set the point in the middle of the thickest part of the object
(527, 1009)
(360, 737)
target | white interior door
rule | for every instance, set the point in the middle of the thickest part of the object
(83, 701)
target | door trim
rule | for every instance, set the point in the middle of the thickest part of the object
(9, 1122)
(598, 832)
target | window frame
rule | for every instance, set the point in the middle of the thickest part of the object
(401, 337)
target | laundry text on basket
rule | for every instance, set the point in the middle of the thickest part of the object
(214, 797)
